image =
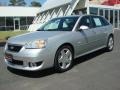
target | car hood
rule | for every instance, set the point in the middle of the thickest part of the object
(37, 35)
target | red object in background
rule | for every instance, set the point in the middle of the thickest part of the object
(111, 2)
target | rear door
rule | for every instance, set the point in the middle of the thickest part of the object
(98, 29)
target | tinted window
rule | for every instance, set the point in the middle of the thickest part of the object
(104, 22)
(99, 21)
(85, 21)
(60, 24)
(52, 25)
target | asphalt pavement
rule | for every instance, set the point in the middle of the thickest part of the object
(96, 71)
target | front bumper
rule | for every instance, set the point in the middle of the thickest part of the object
(22, 67)
(28, 59)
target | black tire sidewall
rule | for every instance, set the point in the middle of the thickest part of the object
(108, 48)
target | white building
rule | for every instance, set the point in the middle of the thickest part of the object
(16, 18)
(110, 9)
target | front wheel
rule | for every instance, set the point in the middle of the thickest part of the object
(63, 59)
(110, 43)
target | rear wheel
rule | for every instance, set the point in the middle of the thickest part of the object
(110, 43)
(63, 59)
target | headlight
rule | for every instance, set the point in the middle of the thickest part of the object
(36, 44)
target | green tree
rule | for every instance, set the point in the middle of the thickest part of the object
(17, 3)
(35, 4)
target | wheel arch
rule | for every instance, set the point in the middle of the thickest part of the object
(67, 44)
(62, 45)
(111, 35)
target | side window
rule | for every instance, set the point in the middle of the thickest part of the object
(99, 22)
(68, 23)
(85, 21)
(52, 25)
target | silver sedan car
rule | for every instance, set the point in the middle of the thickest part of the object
(58, 42)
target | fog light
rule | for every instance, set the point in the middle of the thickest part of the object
(32, 64)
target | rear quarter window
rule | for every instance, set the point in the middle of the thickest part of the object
(104, 21)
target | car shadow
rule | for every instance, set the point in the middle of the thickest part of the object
(51, 71)
(32, 74)
(89, 56)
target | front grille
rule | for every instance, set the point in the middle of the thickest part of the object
(14, 48)
(16, 62)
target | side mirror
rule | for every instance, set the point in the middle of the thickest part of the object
(83, 28)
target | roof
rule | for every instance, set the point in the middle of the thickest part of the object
(49, 4)
(18, 11)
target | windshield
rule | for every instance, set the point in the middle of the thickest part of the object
(60, 24)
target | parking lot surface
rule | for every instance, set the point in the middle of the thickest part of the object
(96, 71)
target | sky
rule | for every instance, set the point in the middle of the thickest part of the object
(27, 1)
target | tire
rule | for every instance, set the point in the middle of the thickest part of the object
(63, 59)
(110, 44)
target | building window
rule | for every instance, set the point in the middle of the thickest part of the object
(101, 12)
(80, 11)
(111, 16)
(23, 23)
(116, 19)
(119, 18)
(2, 23)
(29, 20)
(106, 14)
(9, 23)
(93, 11)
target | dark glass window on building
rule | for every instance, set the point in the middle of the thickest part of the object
(119, 18)
(80, 11)
(106, 14)
(93, 11)
(29, 20)
(101, 12)
(116, 19)
(9, 23)
(2, 23)
(23, 23)
(111, 16)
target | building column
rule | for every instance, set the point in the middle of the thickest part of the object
(88, 10)
(5, 23)
(88, 7)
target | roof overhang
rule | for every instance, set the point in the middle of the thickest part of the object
(15, 11)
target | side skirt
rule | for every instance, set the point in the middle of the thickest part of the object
(90, 51)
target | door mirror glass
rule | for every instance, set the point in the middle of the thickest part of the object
(83, 27)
